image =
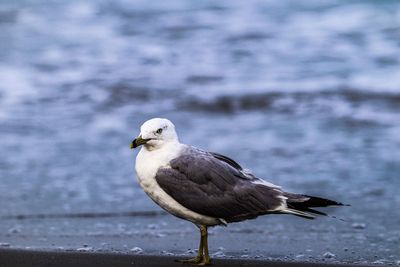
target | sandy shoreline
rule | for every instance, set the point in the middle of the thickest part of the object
(36, 258)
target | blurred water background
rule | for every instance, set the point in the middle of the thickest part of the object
(304, 93)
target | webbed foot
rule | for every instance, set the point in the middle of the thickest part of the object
(201, 261)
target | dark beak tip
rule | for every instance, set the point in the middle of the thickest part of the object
(133, 144)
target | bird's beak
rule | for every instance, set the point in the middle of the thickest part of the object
(138, 142)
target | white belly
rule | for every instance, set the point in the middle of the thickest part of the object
(147, 164)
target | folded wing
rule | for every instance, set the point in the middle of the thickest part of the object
(216, 186)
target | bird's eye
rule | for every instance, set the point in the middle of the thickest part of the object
(159, 131)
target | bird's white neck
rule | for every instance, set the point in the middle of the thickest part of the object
(149, 160)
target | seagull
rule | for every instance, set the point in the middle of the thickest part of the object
(207, 188)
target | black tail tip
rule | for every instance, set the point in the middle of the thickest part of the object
(342, 204)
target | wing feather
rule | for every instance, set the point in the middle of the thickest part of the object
(213, 186)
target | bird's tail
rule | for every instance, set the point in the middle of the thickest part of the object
(301, 205)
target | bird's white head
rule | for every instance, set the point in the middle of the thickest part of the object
(155, 133)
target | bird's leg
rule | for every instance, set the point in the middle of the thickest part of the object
(204, 236)
(199, 258)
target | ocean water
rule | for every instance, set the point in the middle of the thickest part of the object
(304, 93)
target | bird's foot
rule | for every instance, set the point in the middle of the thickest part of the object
(204, 262)
(195, 260)
(198, 260)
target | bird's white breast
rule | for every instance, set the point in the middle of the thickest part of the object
(147, 165)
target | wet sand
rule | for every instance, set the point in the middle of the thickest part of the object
(31, 258)
(267, 239)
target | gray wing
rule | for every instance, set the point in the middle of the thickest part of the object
(230, 161)
(212, 185)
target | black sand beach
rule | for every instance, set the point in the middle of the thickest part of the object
(24, 258)
(267, 239)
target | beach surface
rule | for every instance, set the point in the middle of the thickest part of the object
(22, 258)
(269, 238)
